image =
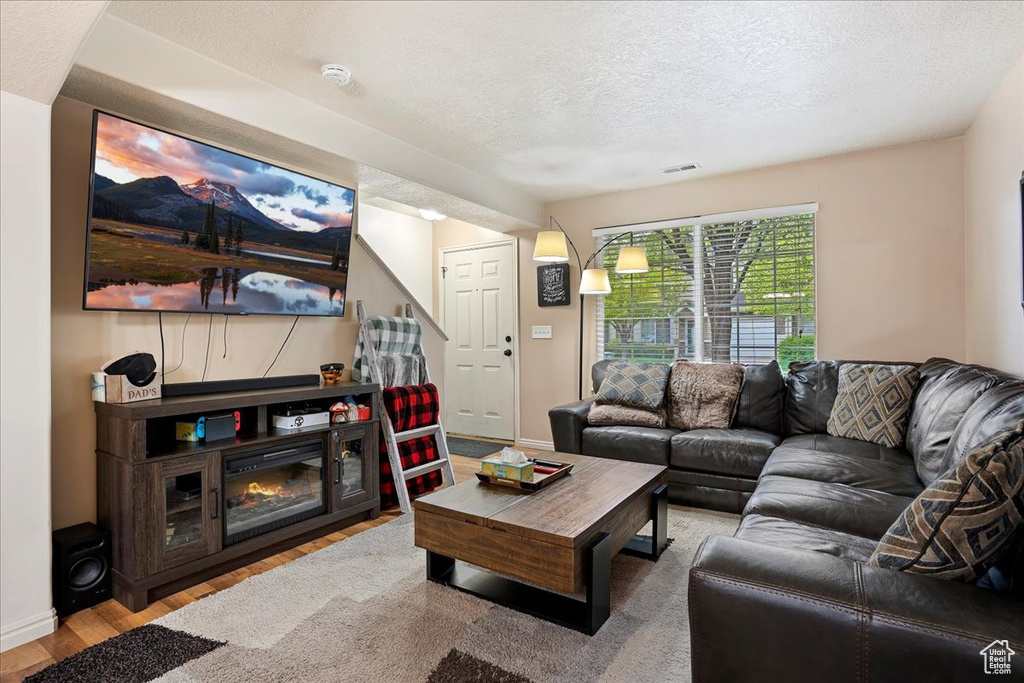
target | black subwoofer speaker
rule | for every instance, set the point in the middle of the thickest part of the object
(81, 568)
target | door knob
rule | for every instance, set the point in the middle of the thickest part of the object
(508, 338)
(508, 352)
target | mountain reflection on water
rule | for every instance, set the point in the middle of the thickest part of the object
(222, 290)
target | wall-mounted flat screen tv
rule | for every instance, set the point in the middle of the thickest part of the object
(176, 225)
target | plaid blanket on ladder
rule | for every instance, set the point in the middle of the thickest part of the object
(410, 408)
(390, 335)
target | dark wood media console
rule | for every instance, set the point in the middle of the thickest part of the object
(183, 512)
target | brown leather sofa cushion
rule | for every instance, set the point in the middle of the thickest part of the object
(597, 372)
(788, 534)
(735, 452)
(848, 509)
(761, 612)
(944, 393)
(811, 388)
(997, 409)
(717, 481)
(637, 444)
(889, 476)
(761, 398)
(843, 446)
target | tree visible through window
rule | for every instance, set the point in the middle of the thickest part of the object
(739, 291)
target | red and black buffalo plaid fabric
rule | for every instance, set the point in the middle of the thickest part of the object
(410, 408)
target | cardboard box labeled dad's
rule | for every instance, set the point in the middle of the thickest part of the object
(120, 390)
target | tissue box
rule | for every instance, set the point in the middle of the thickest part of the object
(493, 466)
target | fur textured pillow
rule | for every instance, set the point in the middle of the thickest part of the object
(703, 395)
(873, 402)
(958, 526)
(634, 385)
(609, 414)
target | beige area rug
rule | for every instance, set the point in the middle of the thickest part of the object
(362, 610)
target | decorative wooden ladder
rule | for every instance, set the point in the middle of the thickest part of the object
(392, 438)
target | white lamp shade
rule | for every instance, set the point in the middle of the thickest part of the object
(551, 247)
(631, 260)
(595, 281)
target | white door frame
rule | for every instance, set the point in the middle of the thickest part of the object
(514, 243)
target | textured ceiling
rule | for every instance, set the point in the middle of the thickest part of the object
(565, 99)
(39, 42)
(108, 93)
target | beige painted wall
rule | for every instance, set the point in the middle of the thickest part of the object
(890, 266)
(405, 243)
(83, 340)
(993, 162)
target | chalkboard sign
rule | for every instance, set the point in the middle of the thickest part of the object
(553, 285)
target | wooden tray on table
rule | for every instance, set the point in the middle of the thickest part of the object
(540, 479)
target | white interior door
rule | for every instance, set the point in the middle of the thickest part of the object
(479, 319)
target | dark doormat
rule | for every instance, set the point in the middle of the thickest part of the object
(474, 448)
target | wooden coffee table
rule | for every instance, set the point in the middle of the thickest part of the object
(561, 538)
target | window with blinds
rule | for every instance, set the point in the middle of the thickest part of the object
(728, 288)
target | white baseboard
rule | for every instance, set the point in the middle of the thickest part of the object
(27, 630)
(539, 445)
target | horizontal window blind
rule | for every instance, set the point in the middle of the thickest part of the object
(728, 291)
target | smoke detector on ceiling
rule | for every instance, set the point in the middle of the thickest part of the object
(335, 74)
(684, 167)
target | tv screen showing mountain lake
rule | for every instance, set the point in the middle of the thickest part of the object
(178, 225)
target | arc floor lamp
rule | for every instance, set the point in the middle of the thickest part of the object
(552, 246)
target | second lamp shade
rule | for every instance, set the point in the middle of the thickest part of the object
(595, 281)
(631, 260)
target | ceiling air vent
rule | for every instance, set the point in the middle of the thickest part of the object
(677, 169)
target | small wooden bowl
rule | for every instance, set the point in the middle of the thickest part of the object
(331, 372)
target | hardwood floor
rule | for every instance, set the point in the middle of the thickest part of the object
(108, 619)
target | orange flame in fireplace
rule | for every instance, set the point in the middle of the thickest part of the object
(265, 490)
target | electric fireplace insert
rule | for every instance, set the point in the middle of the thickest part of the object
(272, 487)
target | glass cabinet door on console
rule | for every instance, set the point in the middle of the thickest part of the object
(186, 507)
(351, 462)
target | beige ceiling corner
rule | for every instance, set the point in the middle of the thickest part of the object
(128, 53)
(40, 41)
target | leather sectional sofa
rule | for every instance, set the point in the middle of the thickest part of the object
(791, 596)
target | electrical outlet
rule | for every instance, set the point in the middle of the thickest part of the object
(542, 331)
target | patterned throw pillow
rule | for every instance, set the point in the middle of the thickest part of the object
(873, 402)
(703, 395)
(957, 527)
(608, 414)
(636, 385)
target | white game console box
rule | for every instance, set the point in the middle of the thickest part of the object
(299, 421)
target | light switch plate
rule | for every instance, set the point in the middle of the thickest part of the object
(542, 331)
